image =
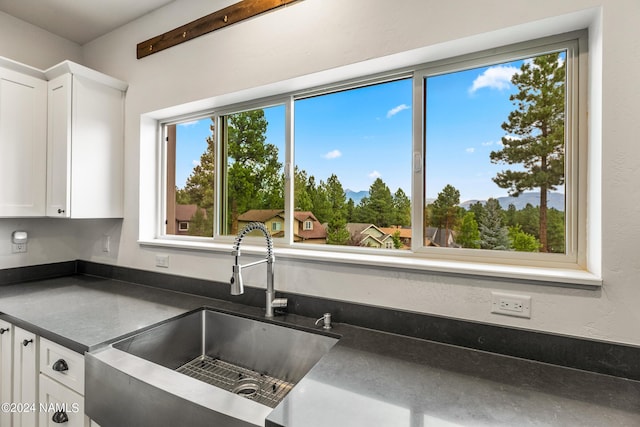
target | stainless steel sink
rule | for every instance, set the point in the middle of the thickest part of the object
(203, 368)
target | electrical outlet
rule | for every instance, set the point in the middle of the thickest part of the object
(19, 248)
(511, 305)
(162, 261)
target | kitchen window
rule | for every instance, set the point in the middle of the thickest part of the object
(473, 159)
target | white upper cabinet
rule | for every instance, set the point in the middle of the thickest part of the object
(23, 144)
(85, 143)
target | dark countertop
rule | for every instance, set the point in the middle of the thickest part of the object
(369, 378)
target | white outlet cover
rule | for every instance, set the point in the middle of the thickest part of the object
(511, 304)
(162, 261)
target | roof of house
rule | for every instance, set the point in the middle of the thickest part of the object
(260, 215)
(186, 212)
(359, 229)
(317, 232)
(405, 233)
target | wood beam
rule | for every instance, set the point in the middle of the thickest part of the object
(223, 18)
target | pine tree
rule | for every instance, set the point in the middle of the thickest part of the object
(337, 233)
(198, 189)
(446, 210)
(253, 169)
(493, 234)
(469, 235)
(378, 207)
(401, 208)
(536, 133)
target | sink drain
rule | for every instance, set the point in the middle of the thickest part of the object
(246, 388)
(244, 382)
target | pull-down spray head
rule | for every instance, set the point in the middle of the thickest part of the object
(237, 286)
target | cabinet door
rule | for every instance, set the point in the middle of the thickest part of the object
(6, 369)
(60, 405)
(59, 147)
(23, 139)
(25, 377)
(97, 180)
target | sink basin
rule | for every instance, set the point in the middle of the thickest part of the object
(202, 368)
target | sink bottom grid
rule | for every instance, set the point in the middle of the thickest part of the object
(244, 382)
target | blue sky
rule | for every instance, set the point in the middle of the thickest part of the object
(364, 134)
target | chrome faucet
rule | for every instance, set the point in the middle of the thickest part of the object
(237, 285)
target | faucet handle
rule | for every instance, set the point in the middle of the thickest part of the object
(327, 320)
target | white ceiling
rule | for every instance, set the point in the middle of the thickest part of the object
(79, 20)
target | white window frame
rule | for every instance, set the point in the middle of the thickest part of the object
(569, 268)
(183, 225)
(575, 149)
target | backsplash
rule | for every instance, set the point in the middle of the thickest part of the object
(597, 356)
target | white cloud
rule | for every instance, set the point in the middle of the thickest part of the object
(396, 110)
(498, 77)
(470, 150)
(334, 154)
(195, 162)
(375, 174)
(487, 144)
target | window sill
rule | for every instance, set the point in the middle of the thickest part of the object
(537, 275)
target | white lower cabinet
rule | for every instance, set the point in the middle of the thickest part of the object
(61, 386)
(60, 405)
(6, 368)
(41, 382)
(24, 402)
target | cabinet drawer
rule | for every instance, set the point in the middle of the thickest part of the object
(60, 405)
(62, 364)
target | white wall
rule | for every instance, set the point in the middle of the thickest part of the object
(317, 35)
(34, 46)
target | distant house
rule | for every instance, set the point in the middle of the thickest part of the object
(273, 219)
(403, 233)
(369, 235)
(184, 214)
(440, 237)
(306, 227)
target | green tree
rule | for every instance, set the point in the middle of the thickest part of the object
(378, 207)
(351, 207)
(401, 208)
(337, 233)
(253, 169)
(397, 242)
(493, 234)
(521, 241)
(535, 133)
(446, 210)
(478, 210)
(468, 234)
(320, 205)
(200, 225)
(555, 231)
(198, 189)
(302, 200)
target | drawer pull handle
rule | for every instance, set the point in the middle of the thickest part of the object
(60, 211)
(60, 417)
(60, 365)
(26, 342)
(3, 330)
